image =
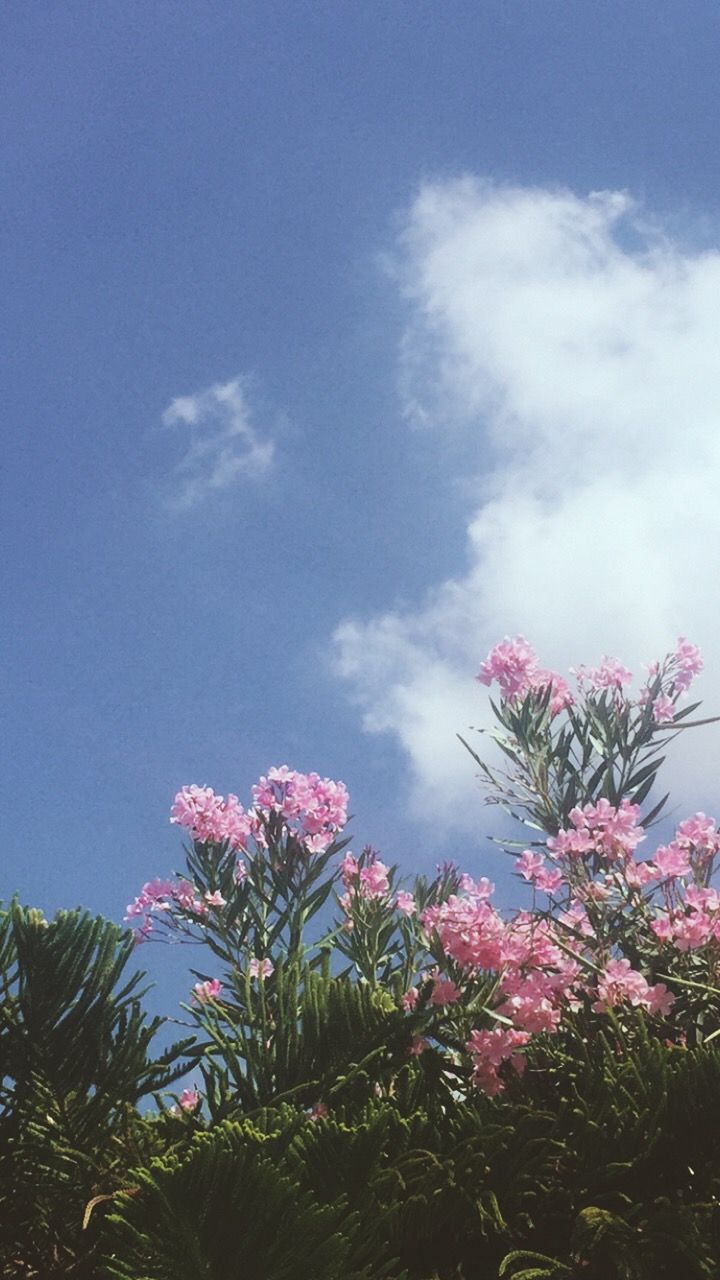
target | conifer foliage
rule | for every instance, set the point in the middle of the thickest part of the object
(75, 1061)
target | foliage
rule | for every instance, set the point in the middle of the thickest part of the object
(397, 1082)
(75, 1061)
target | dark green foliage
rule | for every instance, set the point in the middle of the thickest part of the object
(74, 1062)
(315, 1037)
(636, 1194)
(227, 1211)
(602, 1162)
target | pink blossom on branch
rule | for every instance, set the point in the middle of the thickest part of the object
(514, 665)
(620, 982)
(209, 990)
(210, 817)
(405, 902)
(670, 861)
(663, 709)
(686, 663)
(444, 991)
(313, 808)
(699, 831)
(611, 674)
(489, 1050)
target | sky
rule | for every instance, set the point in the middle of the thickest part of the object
(343, 340)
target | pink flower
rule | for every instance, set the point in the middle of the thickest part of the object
(531, 999)
(470, 930)
(210, 990)
(374, 881)
(611, 674)
(529, 864)
(512, 663)
(418, 1045)
(671, 861)
(659, 999)
(663, 709)
(152, 897)
(410, 999)
(318, 1111)
(489, 1050)
(349, 868)
(314, 809)
(210, 817)
(215, 899)
(405, 902)
(614, 832)
(694, 930)
(702, 898)
(687, 663)
(480, 890)
(699, 831)
(638, 874)
(261, 968)
(662, 927)
(444, 992)
(185, 895)
(621, 982)
(189, 1099)
(570, 843)
(548, 881)
(560, 695)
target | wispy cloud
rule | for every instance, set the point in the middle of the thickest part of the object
(224, 444)
(575, 344)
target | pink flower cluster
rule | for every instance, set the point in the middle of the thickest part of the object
(620, 982)
(691, 915)
(365, 882)
(531, 866)
(611, 674)
(209, 817)
(514, 665)
(612, 832)
(489, 1050)
(313, 808)
(685, 663)
(160, 896)
(469, 929)
(540, 962)
(536, 977)
(694, 923)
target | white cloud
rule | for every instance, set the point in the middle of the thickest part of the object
(224, 447)
(575, 345)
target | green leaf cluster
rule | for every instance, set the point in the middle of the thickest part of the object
(75, 1061)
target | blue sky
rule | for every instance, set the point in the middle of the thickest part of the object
(269, 195)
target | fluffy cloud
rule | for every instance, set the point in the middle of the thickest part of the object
(224, 446)
(575, 344)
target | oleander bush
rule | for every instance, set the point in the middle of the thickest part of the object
(391, 1080)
